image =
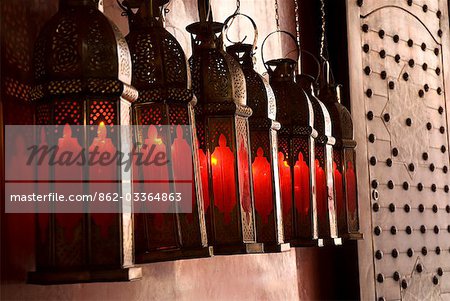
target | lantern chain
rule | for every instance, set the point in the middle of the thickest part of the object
(322, 38)
(277, 16)
(297, 21)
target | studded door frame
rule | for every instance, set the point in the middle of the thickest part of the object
(393, 109)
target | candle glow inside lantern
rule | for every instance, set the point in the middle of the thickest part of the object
(223, 137)
(264, 149)
(344, 160)
(83, 78)
(161, 75)
(296, 152)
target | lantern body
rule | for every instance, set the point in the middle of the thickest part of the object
(161, 75)
(264, 152)
(83, 77)
(344, 164)
(224, 148)
(325, 188)
(296, 155)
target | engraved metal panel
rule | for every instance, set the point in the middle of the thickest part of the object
(401, 90)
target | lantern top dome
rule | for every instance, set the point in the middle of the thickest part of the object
(160, 68)
(216, 75)
(80, 51)
(330, 94)
(294, 107)
(340, 116)
(260, 96)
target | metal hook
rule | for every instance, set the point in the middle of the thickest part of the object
(279, 32)
(229, 22)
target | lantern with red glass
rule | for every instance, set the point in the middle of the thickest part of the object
(83, 78)
(161, 75)
(325, 191)
(296, 156)
(223, 137)
(344, 158)
(264, 149)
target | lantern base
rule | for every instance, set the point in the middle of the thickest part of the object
(83, 276)
(177, 254)
(307, 243)
(352, 236)
(276, 248)
(336, 241)
(245, 248)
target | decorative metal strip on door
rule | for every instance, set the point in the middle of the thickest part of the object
(407, 148)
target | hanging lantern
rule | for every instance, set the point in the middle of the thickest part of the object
(83, 77)
(161, 76)
(296, 156)
(264, 149)
(325, 191)
(223, 137)
(344, 167)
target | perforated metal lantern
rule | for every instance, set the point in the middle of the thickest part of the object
(296, 156)
(344, 167)
(161, 75)
(264, 151)
(325, 189)
(223, 136)
(83, 76)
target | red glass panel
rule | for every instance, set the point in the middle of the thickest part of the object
(262, 183)
(286, 194)
(107, 173)
(224, 178)
(339, 192)
(203, 163)
(67, 221)
(244, 177)
(43, 188)
(321, 197)
(155, 172)
(301, 188)
(182, 164)
(350, 179)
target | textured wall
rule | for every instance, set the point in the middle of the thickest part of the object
(399, 54)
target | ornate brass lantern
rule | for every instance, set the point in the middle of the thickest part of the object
(344, 167)
(83, 76)
(325, 192)
(161, 75)
(296, 154)
(264, 148)
(223, 136)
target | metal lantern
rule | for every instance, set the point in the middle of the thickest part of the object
(83, 76)
(161, 75)
(264, 149)
(223, 137)
(296, 155)
(325, 191)
(344, 167)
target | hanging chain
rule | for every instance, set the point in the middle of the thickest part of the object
(238, 6)
(277, 16)
(297, 22)
(322, 38)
